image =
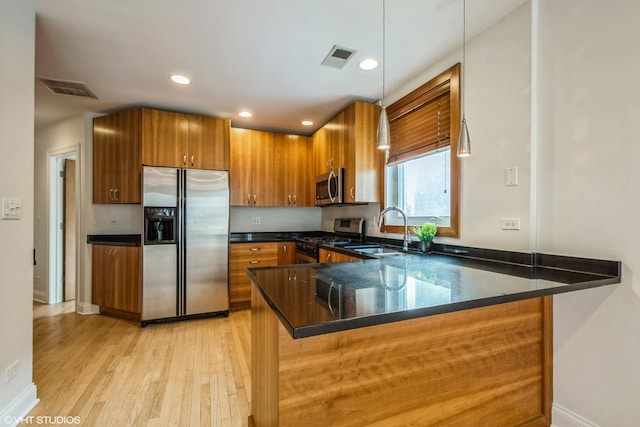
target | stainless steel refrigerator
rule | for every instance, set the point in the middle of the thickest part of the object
(185, 243)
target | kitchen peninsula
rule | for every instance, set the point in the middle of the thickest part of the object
(410, 340)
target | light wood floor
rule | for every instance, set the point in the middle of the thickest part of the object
(111, 372)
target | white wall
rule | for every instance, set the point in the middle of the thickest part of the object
(74, 133)
(17, 44)
(498, 111)
(589, 201)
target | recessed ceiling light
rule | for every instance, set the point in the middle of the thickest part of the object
(180, 79)
(245, 114)
(306, 123)
(368, 64)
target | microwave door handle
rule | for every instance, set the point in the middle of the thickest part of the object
(331, 196)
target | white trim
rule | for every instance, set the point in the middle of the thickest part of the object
(562, 417)
(86, 308)
(40, 296)
(20, 406)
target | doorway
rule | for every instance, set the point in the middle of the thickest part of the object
(63, 229)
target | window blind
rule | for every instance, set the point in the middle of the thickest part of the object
(420, 123)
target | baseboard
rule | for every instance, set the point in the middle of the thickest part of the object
(20, 406)
(562, 417)
(86, 308)
(40, 296)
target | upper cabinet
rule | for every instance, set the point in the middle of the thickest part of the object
(124, 141)
(184, 140)
(269, 169)
(349, 141)
(116, 158)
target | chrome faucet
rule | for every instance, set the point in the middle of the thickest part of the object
(407, 238)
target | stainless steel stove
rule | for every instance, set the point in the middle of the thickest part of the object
(345, 231)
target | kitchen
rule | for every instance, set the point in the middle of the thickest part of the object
(480, 208)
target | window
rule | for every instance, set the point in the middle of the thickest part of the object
(420, 187)
(422, 177)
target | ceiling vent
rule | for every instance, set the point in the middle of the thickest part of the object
(66, 87)
(338, 56)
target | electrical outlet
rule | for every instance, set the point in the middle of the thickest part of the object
(115, 221)
(510, 223)
(12, 371)
(256, 220)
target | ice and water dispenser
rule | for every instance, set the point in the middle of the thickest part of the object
(160, 225)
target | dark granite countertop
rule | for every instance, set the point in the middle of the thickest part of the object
(114, 239)
(270, 236)
(315, 299)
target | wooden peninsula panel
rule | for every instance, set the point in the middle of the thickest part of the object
(484, 366)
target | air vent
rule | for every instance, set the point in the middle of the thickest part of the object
(66, 87)
(338, 56)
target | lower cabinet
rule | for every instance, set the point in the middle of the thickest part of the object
(116, 284)
(327, 255)
(247, 255)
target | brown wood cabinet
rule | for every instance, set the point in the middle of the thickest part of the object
(241, 257)
(292, 170)
(184, 140)
(247, 255)
(117, 158)
(269, 169)
(327, 255)
(116, 282)
(124, 141)
(286, 253)
(348, 141)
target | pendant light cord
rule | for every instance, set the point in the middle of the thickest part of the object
(384, 38)
(464, 58)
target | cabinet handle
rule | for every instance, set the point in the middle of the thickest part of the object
(192, 159)
(113, 253)
(254, 249)
(330, 164)
(254, 199)
(295, 200)
(248, 199)
(289, 199)
(353, 193)
(184, 159)
(284, 248)
(328, 256)
(117, 192)
(254, 262)
(111, 194)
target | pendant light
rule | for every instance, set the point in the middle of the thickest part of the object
(464, 143)
(384, 128)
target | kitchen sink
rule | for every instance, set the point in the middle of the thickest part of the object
(375, 250)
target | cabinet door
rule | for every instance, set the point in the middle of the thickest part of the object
(208, 143)
(293, 162)
(126, 279)
(164, 138)
(327, 256)
(116, 158)
(320, 151)
(240, 167)
(266, 185)
(363, 162)
(115, 277)
(286, 253)
(101, 275)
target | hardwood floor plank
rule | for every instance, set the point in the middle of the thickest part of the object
(111, 372)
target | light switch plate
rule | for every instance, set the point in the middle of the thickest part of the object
(10, 208)
(511, 176)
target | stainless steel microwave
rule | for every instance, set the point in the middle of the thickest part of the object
(330, 187)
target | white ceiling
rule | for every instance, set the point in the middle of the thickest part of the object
(260, 55)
